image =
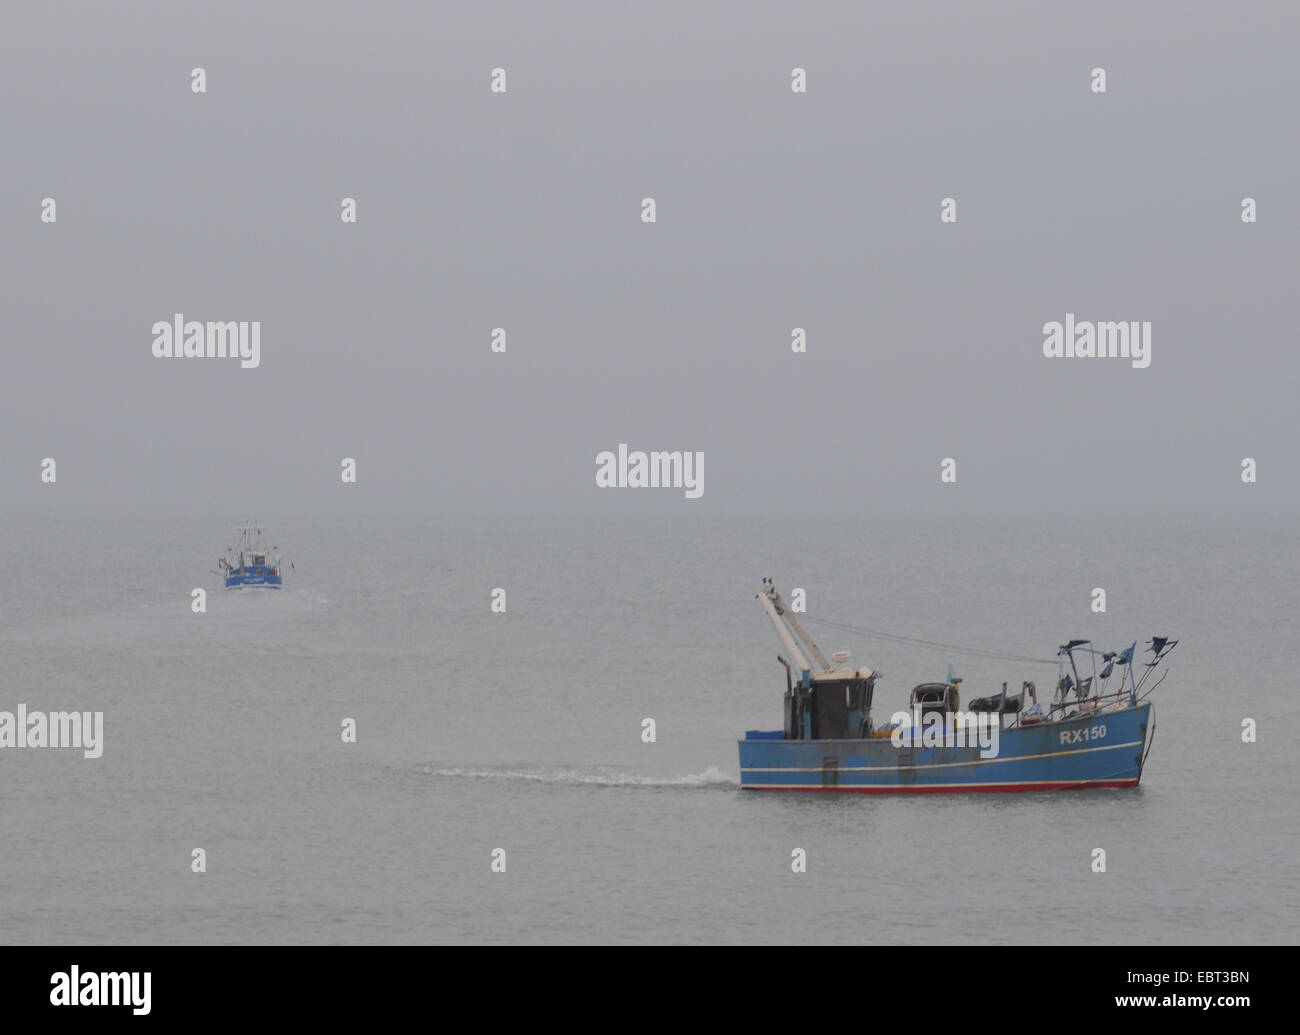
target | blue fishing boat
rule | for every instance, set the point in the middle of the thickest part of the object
(250, 562)
(1096, 731)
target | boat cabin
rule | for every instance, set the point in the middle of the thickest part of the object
(835, 706)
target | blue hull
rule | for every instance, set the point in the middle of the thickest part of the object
(1103, 750)
(268, 580)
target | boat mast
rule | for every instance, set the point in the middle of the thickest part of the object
(785, 622)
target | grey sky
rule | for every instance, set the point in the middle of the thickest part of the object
(774, 211)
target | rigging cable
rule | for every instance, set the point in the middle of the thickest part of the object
(917, 642)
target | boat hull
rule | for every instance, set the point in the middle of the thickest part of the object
(1106, 749)
(266, 581)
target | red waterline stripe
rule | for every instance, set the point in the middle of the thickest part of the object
(982, 788)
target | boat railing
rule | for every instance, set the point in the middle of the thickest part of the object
(1096, 700)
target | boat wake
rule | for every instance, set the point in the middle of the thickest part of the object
(245, 597)
(595, 776)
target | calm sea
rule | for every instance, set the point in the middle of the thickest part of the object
(522, 731)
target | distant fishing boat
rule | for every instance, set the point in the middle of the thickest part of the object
(250, 562)
(1091, 734)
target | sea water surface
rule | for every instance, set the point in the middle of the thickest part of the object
(522, 731)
